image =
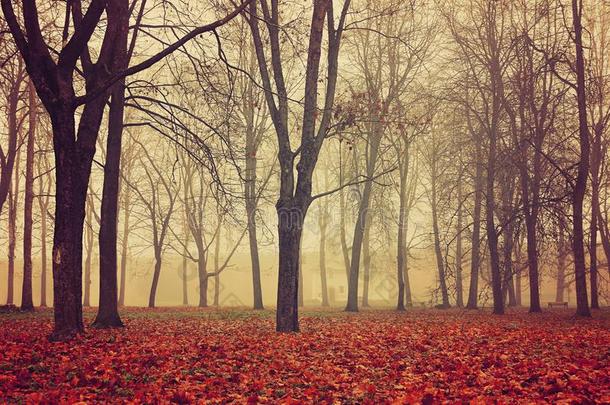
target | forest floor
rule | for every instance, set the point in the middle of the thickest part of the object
(191, 355)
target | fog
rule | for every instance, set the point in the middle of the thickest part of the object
(422, 130)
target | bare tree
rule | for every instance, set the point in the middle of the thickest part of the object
(390, 50)
(296, 197)
(580, 185)
(484, 44)
(74, 147)
(158, 196)
(12, 76)
(13, 206)
(599, 116)
(407, 193)
(43, 175)
(27, 303)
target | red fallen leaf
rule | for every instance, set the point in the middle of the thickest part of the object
(23, 377)
(377, 357)
(74, 381)
(182, 397)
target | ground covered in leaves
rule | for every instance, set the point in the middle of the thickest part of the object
(428, 356)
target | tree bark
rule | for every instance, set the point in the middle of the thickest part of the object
(43, 255)
(12, 192)
(459, 289)
(217, 269)
(401, 242)
(492, 235)
(322, 222)
(507, 250)
(361, 222)
(73, 168)
(155, 282)
(366, 261)
(440, 264)
(185, 296)
(290, 228)
(595, 211)
(473, 292)
(88, 252)
(125, 244)
(408, 297)
(216, 290)
(295, 196)
(561, 266)
(7, 162)
(108, 312)
(342, 233)
(532, 260)
(300, 290)
(27, 303)
(203, 282)
(250, 194)
(580, 186)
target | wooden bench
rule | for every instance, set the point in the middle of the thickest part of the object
(558, 304)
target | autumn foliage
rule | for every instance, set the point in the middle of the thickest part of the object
(187, 356)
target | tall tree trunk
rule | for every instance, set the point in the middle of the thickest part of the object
(342, 214)
(580, 187)
(440, 264)
(561, 266)
(492, 235)
(7, 164)
(43, 254)
(322, 222)
(27, 303)
(301, 297)
(108, 312)
(125, 244)
(290, 228)
(401, 243)
(532, 261)
(216, 290)
(593, 250)
(295, 197)
(605, 239)
(595, 210)
(155, 282)
(89, 252)
(185, 297)
(408, 297)
(459, 289)
(366, 250)
(507, 250)
(473, 291)
(203, 282)
(529, 180)
(73, 168)
(518, 287)
(187, 233)
(217, 270)
(250, 191)
(361, 223)
(512, 298)
(13, 204)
